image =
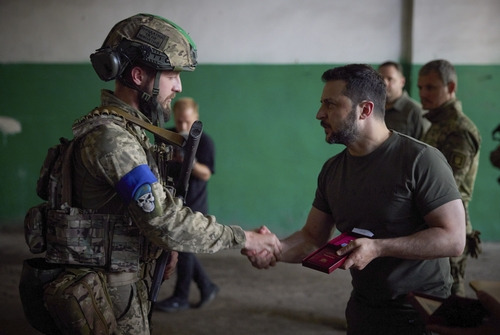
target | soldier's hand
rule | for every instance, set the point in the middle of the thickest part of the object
(172, 264)
(262, 248)
(261, 260)
(495, 157)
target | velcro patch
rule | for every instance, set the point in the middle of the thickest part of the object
(151, 36)
(458, 160)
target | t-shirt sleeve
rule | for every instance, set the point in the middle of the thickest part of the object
(435, 184)
(320, 201)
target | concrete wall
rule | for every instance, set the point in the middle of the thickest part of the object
(274, 31)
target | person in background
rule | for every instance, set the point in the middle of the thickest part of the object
(381, 182)
(402, 113)
(458, 138)
(186, 112)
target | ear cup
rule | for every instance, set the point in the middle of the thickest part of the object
(106, 63)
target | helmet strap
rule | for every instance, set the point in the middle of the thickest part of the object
(149, 105)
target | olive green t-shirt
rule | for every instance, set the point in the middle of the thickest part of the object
(388, 192)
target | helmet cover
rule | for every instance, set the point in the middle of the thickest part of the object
(162, 44)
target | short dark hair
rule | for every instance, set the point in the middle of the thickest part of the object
(443, 68)
(362, 83)
(398, 66)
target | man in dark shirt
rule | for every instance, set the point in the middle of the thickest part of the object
(402, 113)
(400, 189)
(188, 267)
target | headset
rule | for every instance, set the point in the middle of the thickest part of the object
(110, 63)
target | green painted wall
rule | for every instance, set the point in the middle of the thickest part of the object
(262, 118)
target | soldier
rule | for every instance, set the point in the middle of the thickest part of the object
(121, 192)
(456, 136)
(402, 113)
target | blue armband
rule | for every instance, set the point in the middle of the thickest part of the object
(132, 181)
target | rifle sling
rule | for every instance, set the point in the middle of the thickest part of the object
(165, 134)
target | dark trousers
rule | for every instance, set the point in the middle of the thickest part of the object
(383, 320)
(189, 268)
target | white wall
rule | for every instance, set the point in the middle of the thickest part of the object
(263, 31)
(462, 31)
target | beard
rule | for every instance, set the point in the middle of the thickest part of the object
(155, 107)
(167, 109)
(154, 110)
(348, 132)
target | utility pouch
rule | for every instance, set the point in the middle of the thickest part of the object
(36, 273)
(35, 228)
(79, 302)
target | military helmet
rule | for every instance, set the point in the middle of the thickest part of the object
(148, 40)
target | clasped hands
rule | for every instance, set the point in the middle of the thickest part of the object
(262, 248)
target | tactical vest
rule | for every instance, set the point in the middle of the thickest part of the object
(85, 237)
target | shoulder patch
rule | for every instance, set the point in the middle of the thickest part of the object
(144, 198)
(457, 160)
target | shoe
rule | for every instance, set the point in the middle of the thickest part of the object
(172, 304)
(208, 296)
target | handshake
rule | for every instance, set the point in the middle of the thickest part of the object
(262, 248)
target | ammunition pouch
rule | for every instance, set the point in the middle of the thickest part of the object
(111, 242)
(35, 228)
(37, 273)
(79, 303)
(78, 238)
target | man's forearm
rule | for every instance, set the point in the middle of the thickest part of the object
(201, 171)
(296, 247)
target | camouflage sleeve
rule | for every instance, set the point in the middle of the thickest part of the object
(110, 152)
(460, 150)
(115, 155)
(174, 226)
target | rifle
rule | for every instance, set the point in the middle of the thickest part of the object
(181, 187)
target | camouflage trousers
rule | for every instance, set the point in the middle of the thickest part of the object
(131, 307)
(458, 264)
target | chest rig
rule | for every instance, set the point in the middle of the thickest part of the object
(88, 237)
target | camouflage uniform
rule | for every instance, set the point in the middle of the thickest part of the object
(105, 164)
(456, 136)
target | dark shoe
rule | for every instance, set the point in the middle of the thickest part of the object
(172, 304)
(207, 296)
